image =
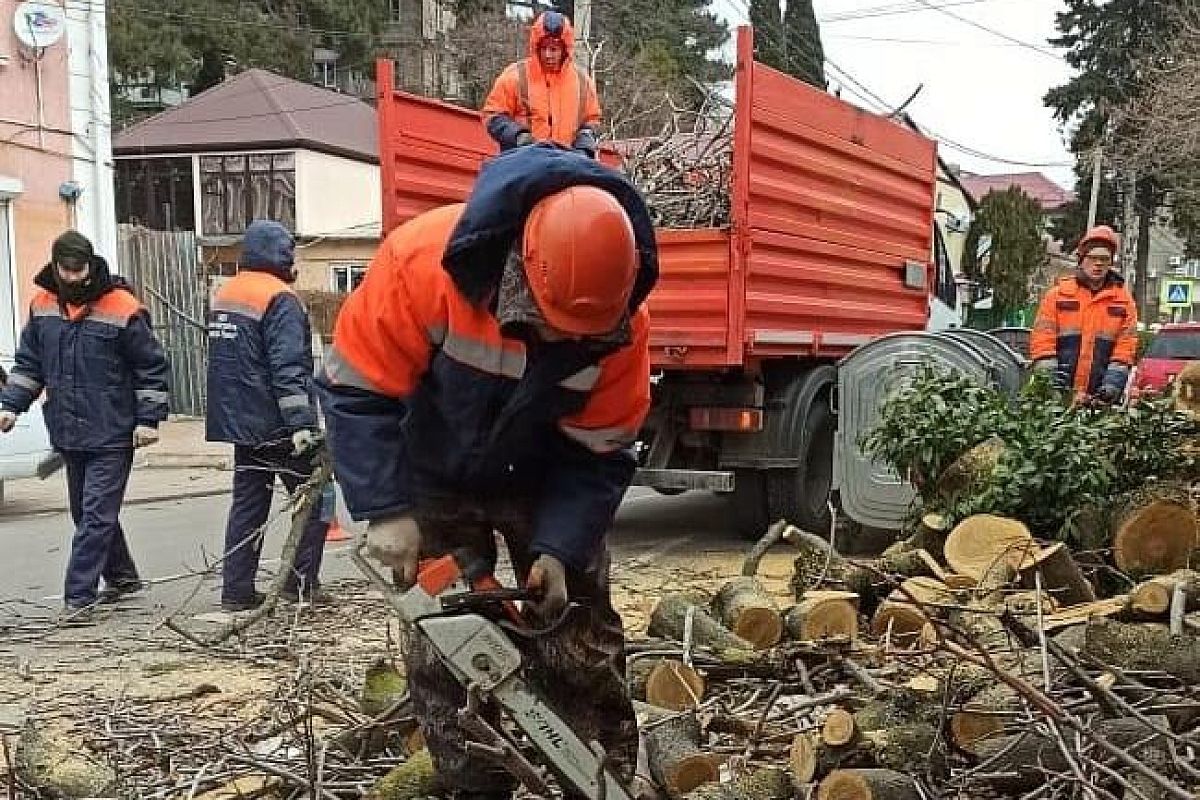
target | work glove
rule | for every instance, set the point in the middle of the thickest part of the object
(7, 420)
(304, 440)
(144, 435)
(396, 542)
(524, 138)
(548, 582)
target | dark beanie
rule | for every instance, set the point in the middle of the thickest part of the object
(267, 245)
(72, 246)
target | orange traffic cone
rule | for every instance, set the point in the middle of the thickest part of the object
(335, 532)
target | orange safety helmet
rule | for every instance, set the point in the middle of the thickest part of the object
(1102, 235)
(580, 260)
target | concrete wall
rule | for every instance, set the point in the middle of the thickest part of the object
(336, 197)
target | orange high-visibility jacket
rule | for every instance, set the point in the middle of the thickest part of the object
(1087, 332)
(552, 106)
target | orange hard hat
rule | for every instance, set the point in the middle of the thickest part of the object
(580, 260)
(1101, 235)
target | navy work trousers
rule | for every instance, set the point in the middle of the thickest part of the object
(255, 470)
(96, 481)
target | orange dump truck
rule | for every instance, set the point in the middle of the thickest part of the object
(831, 246)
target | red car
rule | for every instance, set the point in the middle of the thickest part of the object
(1172, 348)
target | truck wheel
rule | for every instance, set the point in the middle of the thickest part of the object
(750, 503)
(801, 495)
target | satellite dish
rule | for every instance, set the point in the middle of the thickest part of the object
(39, 24)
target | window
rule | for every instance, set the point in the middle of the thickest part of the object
(156, 193)
(238, 188)
(345, 277)
(8, 312)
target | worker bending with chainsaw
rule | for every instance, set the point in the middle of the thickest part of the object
(1085, 335)
(545, 97)
(489, 375)
(261, 400)
(88, 343)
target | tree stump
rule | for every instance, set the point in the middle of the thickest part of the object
(675, 758)
(1061, 576)
(1154, 531)
(867, 784)
(1153, 597)
(665, 683)
(823, 615)
(670, 617)
(982, 544)
(744, 607)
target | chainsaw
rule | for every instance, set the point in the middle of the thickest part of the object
(467, 617)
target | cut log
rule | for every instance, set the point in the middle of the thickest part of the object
(983, 716)
(867, 784)
(670, 617)
(665, 683)
(1153, 597)
(802, 758)
(1079, 615)
(1144, 646)
(818, 566)
(901, 730)
(675, 758)
(930, 535)
(972, 469)
(1028, 603)
(904, 619)
(743, 606)
(1061, 576)
(823, 615)
(1019, 763)
(839, 728)
(982, 543)
(1154, 531)
(768, 783)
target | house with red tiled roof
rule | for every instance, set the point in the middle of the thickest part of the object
(259, 145)
(1049, 195)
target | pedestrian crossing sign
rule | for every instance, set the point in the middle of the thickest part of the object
(1177, 294)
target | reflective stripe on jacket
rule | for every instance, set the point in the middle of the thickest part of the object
(1086, 331)
(260, 364)
(100, 365)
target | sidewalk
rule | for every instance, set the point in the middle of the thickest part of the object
(181, 465)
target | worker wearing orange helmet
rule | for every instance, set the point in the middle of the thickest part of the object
(545, 97)
(490, 374)
(1085, 335)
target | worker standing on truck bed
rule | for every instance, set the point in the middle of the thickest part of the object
(545, 97)
(490, 374)
(261, 400)
(89, 344)
(1085, 335)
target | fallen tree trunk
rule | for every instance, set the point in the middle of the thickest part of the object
(823, 615)
(1144, 646)
(665, 683)
(1154, 531)
(1153, 597)
(1061, 576)
(867, 784)
(743, 606)
(1019, 762)
(670, 619)
(675, 758)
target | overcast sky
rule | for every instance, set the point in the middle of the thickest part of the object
(980, 90)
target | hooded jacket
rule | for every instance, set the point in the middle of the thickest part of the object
(1091, 336)
(556, 106)
(424, 391)
(102, 368)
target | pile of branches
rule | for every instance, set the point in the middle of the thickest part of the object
(685, 172)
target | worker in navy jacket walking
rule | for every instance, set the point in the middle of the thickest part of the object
(88, 343)
(260, 399)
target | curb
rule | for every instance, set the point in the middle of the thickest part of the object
(6, 514)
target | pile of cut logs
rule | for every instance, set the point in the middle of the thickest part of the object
(965, 662)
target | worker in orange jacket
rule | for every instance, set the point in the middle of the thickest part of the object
(490, 374)
(545, 97)
(1085, 335)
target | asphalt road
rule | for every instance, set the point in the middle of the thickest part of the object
(173, 540)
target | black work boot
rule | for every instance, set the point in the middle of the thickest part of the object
(243, 604)
(115, 591)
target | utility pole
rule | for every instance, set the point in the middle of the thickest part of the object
(583, 35)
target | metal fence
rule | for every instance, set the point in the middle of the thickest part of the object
(164, 268)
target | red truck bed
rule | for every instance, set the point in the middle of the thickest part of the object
(832, 209)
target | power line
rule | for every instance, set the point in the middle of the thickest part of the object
(893, 9)
(992, 31)
(893, 40)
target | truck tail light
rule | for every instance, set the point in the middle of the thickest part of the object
(725, 419)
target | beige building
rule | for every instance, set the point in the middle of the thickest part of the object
(260, 146)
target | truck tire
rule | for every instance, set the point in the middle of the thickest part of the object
(750, 508)
(801, 495)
